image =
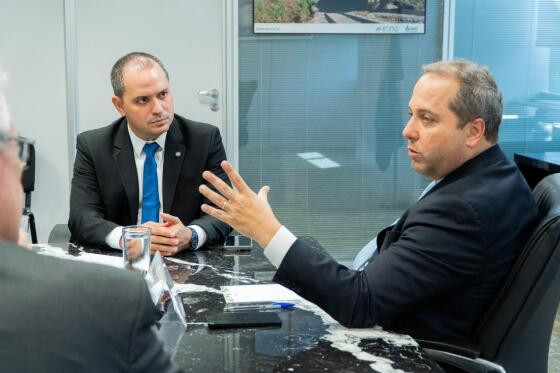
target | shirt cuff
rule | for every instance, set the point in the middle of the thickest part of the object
(202, 237)
(279, 245)
(114, 237)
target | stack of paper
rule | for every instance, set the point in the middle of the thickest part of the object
(255, 294)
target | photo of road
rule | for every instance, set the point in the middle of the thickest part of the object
(339, 11)
(359, 11)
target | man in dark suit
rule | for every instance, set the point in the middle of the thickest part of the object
(119, 181)
(52, 319)
(438, 268)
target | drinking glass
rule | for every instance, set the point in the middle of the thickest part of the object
(135, 241)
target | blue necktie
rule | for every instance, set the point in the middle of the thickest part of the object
(150, 195)
(366, 254)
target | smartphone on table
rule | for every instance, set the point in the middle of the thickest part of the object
(238, 242)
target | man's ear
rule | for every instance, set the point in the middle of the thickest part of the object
(476, 129)
(118, 104)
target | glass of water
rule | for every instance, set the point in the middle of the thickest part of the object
(135, 241)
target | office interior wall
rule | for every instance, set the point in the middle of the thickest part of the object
(341, 101)
(32, 53)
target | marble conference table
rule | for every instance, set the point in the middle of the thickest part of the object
(309, 340)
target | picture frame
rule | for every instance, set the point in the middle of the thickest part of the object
(339, 16)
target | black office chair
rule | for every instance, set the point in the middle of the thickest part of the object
(59, 234)
(28, 184)
(515, 331)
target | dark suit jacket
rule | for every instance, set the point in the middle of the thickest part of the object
(439, 267)
(105, 184)
(60, 316)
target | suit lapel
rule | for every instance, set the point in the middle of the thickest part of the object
(172, 163)
(124, 159)
(491, 155)
(392, 233)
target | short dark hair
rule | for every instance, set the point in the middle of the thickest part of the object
(142, 58)
(478, 95)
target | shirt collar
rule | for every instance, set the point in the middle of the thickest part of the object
(138, 143)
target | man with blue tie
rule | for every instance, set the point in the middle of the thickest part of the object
(145, 167)
(438, 268)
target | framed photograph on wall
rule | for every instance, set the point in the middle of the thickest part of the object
(339, 16)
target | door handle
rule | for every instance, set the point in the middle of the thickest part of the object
(214, 93)
(210, 98)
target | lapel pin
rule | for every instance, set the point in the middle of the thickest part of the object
(177, 154)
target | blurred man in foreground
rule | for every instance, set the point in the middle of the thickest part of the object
(437, 269)
(59, 316)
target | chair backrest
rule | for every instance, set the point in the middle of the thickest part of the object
(515, 331)
(28, 175)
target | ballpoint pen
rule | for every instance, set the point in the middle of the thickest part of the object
(270, 306)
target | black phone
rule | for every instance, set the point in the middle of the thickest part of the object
(243, 320)
(238, 243)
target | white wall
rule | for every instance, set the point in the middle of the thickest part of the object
(32, 53)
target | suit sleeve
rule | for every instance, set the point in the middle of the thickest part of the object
(146, 353)
(438, 252)
(215, 229)
(87, 211)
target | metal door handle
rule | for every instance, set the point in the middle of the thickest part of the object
(214, 93)
(210, 98)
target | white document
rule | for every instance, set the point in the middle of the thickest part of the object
(261, 293)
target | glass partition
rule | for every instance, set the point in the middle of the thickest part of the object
(320, 121)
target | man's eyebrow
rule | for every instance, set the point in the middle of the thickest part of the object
(426, 111)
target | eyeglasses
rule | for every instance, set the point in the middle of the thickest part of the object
(23, 147)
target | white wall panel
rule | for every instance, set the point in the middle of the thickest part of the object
(32, 53)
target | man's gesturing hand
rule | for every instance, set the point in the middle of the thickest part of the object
(244, 210)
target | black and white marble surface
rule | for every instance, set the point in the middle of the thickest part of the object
(309, 340)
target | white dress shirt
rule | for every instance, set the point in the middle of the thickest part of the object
(113, 238)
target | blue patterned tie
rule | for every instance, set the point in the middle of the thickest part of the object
(150, 195)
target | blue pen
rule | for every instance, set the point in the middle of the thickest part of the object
(271, 306)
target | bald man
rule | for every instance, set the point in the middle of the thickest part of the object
(145, 167)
